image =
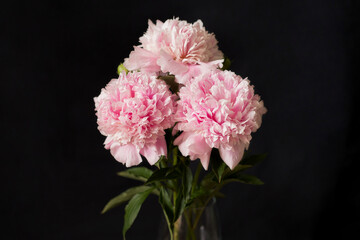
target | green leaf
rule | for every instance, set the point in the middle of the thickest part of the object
(200, 193)
(161, 163)
(239, 167)
(219, 195)
(166, 205)
(209, 181)
(164, 174)
(187, 181)
(121, 68)
(180, 204)
(253, 159)
(124, 197)
(226, 63)
(132, 209)
(184, 191)
(137, 173)
(218, 166)
(170, 81)
(243, 178)
(246, 162)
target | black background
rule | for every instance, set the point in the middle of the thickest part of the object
(300, 55)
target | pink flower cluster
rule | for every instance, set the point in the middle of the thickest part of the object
(213, 109)
(133, 111)
(217, 110)
(175, 47)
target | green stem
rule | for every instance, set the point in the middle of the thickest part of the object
(198, 216)
(190, 231)
(196, 177)
(171, 228)
(175, 152)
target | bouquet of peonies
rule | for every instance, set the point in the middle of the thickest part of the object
(175, 102)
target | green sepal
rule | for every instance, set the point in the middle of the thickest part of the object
(226, 63)
(122, 68)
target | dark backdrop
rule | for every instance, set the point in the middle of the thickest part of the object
(300, 55)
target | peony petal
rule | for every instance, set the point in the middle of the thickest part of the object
(195, 70)
(168, 64)
(194, 145)
(126, 154)
(152, 152)
(142, 59)
(232, 156)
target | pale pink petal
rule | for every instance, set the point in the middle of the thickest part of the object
(142, 59)
(232, 156)
(168, 64)
(186, 43)
(135, 109)
(194, 145)
(153, 151)
(221, 107)
(195, 70)
(126, 154)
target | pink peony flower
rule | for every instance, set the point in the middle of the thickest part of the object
(133, 111)
(217, 109)
(173, 46)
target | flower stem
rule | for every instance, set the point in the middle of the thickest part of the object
(190, 232)
(198, 216)
(196, 177)
(175, 152)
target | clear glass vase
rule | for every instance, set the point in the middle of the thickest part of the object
(196, 223)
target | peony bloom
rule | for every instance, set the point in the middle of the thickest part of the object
(133, 111)
(217, 109)
(173, 46)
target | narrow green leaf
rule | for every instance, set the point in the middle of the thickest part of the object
(124, 197)
(201, 193)
(209, 180)
(161, 163)
(121, 68)
(184, 195)
(218, 166)
(239, 167)
(179, 205)
(166, 205)
(187, 181)
(219, 195)
(137, 173)
(164, 174)
(165, 201)
(243, 178)
(253, 159)
(132, 209)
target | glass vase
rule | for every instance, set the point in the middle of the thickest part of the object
(196, 223)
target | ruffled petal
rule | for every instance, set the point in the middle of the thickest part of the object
(126, 154)
(152, 152)
(142, 59)
(195, 70)
(194, 145)
(168, 64)
(232, 156)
